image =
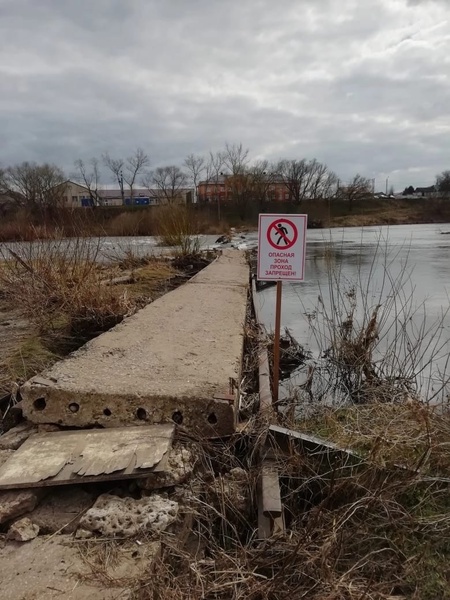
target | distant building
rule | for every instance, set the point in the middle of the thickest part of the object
(425, 191)
(223, 187)
(74, 194)
(77, 195)
(141, 197)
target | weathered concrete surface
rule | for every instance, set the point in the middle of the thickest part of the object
(50, 569)
(65, 457)
(112, 516)
(15, 437)
(173, 360)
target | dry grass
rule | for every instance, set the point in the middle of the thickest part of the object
(178, 227)
(29, 358)
(353, 532)
(410, 434)
(58, 285)
(67, 297)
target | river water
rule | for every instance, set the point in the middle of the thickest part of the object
(404, 268)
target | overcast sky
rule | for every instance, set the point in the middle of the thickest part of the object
(362, 85)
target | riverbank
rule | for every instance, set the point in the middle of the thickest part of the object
(212, 219)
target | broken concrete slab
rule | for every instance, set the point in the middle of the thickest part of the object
(112, 516)
(23, 530)
(177, 470)
(14, 504)
(46, 569)
(5, 455)
(65, 457)
(176, 360)
(62, 510)
(15, 437)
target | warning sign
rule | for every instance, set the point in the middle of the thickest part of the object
(281, 247)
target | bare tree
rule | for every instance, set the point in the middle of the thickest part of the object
(127, 170)
(359, 188)
(35, 186)
(261, 176)
(170, 181)
(134, 166)
(214, 172)
(306, 179)
(88, 174)
(115, 165)
(443, 184)
(235, 158)
(195, 166)
(293, 174)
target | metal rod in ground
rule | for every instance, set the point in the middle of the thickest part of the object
(276, 345)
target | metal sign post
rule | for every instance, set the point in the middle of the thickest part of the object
(281, 257)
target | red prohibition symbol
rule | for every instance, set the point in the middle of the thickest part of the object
(284, 237)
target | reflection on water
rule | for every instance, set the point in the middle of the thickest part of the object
(406, 268)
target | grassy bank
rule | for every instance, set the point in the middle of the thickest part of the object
(212, 219)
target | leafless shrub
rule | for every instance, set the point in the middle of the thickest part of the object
(57, 284)
(177, 227)
(375, 343)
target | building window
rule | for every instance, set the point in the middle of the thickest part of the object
(74, 199)
(286, 195)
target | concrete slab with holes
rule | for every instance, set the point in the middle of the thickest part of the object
(177, 360)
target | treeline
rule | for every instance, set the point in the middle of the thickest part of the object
(40, 186)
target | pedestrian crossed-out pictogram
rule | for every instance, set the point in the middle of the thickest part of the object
(281, 247)
(282, 234)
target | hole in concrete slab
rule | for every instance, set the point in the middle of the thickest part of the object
(74, 407)
(141, 414)
(107, 412)
(212, 418)
(177, 417)
(39, 404)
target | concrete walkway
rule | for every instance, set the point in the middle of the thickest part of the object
(175, 360)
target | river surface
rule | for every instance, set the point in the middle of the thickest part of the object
(405, 268)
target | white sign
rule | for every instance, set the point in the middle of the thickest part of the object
(281, 247)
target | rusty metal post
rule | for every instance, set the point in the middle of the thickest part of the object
(276, 345)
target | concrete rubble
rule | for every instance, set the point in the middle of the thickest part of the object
(14, 438)
(61, 510)
(23, 530)
(112, 516)
(179, 468)
(16, 503)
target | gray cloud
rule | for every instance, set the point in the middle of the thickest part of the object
(361, 86)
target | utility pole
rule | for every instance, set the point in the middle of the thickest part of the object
(387, 183)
